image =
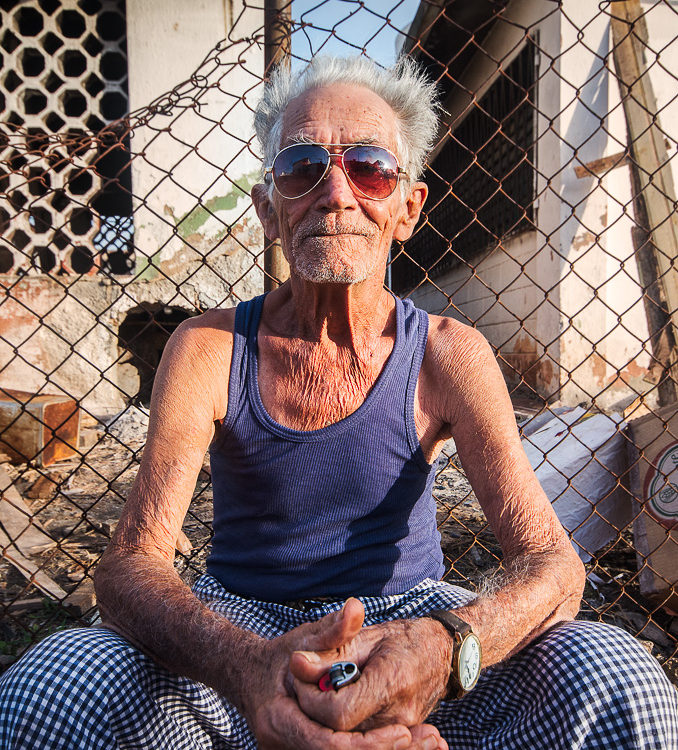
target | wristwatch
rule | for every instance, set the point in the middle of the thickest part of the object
(467, 656)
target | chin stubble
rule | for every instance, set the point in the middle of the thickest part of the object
(316, 266)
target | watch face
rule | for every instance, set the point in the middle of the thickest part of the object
(469, 661)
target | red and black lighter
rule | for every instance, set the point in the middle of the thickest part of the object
(341, 673)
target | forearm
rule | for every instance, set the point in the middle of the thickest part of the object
(142, 597)
(537, 591)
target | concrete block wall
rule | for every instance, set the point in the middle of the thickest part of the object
(64, 71)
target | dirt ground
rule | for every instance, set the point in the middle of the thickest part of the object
(78, 503)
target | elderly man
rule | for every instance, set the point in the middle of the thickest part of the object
(324, 406)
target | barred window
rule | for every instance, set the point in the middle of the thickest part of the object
(482, 186)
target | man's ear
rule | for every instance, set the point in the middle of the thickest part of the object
(265, 211)
(410, 211)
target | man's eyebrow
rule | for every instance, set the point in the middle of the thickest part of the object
(302, 137)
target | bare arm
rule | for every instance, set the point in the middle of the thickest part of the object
(544, 577)
(141, 596)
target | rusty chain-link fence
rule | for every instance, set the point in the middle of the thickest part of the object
(550, 226)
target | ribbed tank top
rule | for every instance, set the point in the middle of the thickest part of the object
(343, 510)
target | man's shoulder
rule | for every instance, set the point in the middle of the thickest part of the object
(203, 339)
(460, 373)
(213, 325)
(197, 360)
(455, 352)
(450, 336)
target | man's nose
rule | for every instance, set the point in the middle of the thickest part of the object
(336, 192)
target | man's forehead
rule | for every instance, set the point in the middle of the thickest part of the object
(342, 113)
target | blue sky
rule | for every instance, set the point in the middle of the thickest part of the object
(355, 22)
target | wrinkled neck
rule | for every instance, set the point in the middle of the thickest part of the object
(349, 319)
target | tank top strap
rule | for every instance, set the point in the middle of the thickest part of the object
(418, 320)
(396, 384)
(247, 316)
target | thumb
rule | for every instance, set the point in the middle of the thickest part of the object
(336, 629)
(331, 633)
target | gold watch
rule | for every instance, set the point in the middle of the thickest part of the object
(467, 656)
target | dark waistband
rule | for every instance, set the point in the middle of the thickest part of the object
(305, 605)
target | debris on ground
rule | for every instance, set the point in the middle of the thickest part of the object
(579, 457)
(22, 540)
(46, 485)
(41, 428)
(653, 456)
(129, 425)
(17, 524)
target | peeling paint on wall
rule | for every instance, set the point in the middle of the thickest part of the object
(521, 359)
(525, 362)
(191, 222)
(583, 240)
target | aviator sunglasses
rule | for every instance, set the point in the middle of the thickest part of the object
(372, 171)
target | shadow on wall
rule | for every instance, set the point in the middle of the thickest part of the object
(143, 334)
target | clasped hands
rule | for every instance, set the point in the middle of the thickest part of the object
(405, 665)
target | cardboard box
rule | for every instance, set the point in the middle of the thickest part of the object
(41, 429)
(654, 484)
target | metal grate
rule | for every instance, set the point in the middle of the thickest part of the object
(65, 75)
(482, 183)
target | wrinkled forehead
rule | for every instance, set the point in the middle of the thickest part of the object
(341, 113)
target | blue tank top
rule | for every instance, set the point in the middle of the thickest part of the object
(339, 511)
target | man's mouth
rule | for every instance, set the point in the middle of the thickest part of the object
(321, 228)
(336, 234)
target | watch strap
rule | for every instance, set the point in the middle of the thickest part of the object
(453, 624)
(458, 629)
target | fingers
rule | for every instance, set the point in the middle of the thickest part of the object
(427, 737)
(336, 629)
(363, 705)
(348, 708)
(396, 685)
(346, 627)
(424, 737)
(284, 726)
(310, 666)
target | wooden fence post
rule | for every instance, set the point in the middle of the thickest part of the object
(655, 194)
(277, 47)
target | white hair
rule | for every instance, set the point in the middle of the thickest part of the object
(404, 87)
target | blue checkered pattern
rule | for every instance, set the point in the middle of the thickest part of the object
(580, 685)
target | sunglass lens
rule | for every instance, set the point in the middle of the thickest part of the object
(372, 169)
(299, 168)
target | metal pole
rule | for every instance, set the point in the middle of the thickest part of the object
(277, 46)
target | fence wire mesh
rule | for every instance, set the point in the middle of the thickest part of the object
(550, 226)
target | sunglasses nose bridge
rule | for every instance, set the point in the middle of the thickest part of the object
(339, 163)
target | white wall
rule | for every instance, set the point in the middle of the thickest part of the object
(603, 320)
(193, 165)
(514, 325)
(662, 60)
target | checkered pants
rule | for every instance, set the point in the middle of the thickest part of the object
(580, 685)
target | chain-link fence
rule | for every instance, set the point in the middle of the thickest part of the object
(550, 226)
